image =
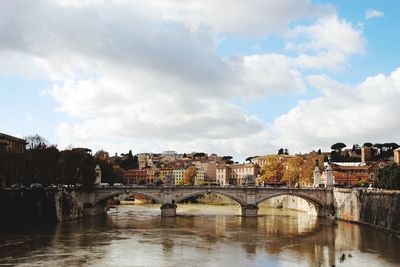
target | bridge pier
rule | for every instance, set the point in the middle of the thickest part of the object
(326, 211)
(98, 209)
(168, 210)
(249, 210)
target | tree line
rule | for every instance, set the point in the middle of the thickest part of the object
(44, 163)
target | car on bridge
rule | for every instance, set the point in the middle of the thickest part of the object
(35, 185)
(103, 185)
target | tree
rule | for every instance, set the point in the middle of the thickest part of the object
(35, 141)
(250, 159)
(86, 173)
(110, 173)
(293, 172)
(273, 169)
(42, 164)
(190, 175)
(280, 151)
(199, 155)
(389, 177)
(101, 154)
(338, 146)
(227, 159)
(368, 144)
(129, 162)
(307, 168)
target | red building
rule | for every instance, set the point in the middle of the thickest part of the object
(354, 173)
(135, 176)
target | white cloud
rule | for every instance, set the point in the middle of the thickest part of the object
(373, 13)
(149, 75)
(366, 112)
(243, 18)
(326, 44)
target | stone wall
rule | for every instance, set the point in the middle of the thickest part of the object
(379, 208)
(27, 207)
(45, 206)
(68, 205)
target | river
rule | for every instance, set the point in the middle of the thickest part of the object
(201, 235)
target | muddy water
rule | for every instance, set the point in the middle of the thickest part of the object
(201, 235)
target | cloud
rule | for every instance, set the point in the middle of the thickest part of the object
(149, 75)
(366, 112)
(373, 13)
(325, 44)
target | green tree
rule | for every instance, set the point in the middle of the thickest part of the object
(86, 173)
(338, 146)
(110, 173)
(389, 177)
(129, 162)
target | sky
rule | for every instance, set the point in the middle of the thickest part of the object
(240, 78)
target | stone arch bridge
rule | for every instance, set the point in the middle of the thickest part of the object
(247, 196)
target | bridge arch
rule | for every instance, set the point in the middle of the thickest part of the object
(114, 194)
(199, 193)
(318, 204)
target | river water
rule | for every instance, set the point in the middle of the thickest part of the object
(201, 235)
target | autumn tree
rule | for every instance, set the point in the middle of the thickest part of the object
(190, 175)
(293, 172)
(307, 168)
(273, 169)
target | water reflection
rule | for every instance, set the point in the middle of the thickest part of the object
(137, 235)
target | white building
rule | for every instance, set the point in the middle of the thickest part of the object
(235, 174)
(179, 175)
(199, 179)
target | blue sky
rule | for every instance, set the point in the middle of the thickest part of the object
(244, 79)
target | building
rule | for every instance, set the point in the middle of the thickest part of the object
(179, 176)
(152, 174)
(135, 176)
(366, 153)
(222, 174)
(209, 168)
(354, 173)
(199, 179)
(12, 144)
(164, 172)
(396, 153)
(261, 161)
(235, 174)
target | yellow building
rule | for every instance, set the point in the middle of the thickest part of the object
(164, 172)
